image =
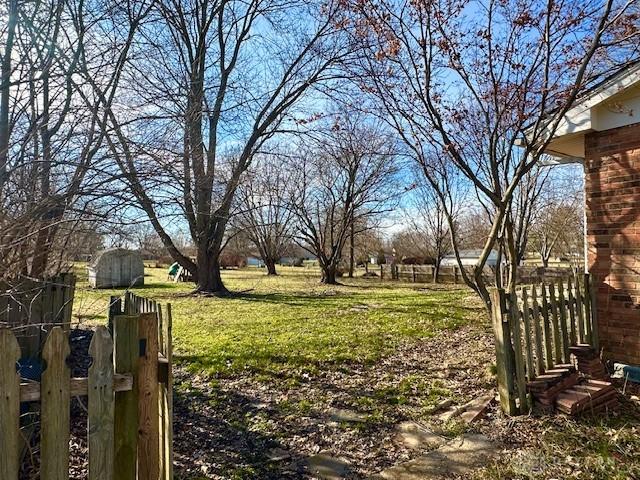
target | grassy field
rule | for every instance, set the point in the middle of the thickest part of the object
(266, 367)
(291, 321)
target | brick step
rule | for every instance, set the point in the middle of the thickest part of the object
(547, 386)
(583, 351)
(551, 377)
(547, 396)
(588, 396)
(577, 395)
(594, 368)
(588, 360)
(575, 407)
(587, 388)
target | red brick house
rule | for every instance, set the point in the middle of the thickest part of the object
(602, 131)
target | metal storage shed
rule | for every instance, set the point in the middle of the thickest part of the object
(116, 267)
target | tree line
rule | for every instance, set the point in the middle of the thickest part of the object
(214, 116)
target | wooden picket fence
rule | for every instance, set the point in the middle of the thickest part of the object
(417, 273)
(534, 328)
(136, 305)
(32, 307)
(126, 387)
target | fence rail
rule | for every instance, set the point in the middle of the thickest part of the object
(417, 273)
(31, 308)
(534, 329)
(452, 273)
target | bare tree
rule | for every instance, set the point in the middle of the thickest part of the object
(526, 203)
(214, 82)
(347, 180)
(474, 228)
(428, 213)
(52, 171)
(265, 216)
(557, 228)
(367, 243)
(484, 86)
(6, 69)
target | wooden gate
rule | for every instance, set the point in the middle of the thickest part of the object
(534, 329)
(137, 305)
(125, 428)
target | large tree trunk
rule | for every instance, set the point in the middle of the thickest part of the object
(270, 263)
(208, 279)
(329, 275)
(436, 271)
(352, 250)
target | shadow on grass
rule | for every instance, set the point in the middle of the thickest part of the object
(213, 436)
(280, 366)
(229, 434)
(168, 285)
(299, 298)
(292, 299)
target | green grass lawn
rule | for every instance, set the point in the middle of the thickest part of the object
(292, 321)
(388, 350)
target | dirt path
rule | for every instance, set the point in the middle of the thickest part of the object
(230, 428)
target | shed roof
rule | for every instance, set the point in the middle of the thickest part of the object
(111, 251)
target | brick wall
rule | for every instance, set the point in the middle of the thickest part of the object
(612, 170)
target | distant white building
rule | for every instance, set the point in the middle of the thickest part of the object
(470, 258)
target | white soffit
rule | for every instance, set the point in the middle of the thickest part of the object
(579, 117)
(615, 103)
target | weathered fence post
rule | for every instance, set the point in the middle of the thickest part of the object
(166, 397)
(580, 310)
(595, 339)
(155, 388)
(548, 350)
(588, 317)
(537, 331)
(571, 301)
(115, 309)
(516, 344)
(148, 409)
(55, 407)
(127, 352)
(557, 345)
(101, 406)
(9, 406)
(527, 332)
(505, 363)
(562, 310)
